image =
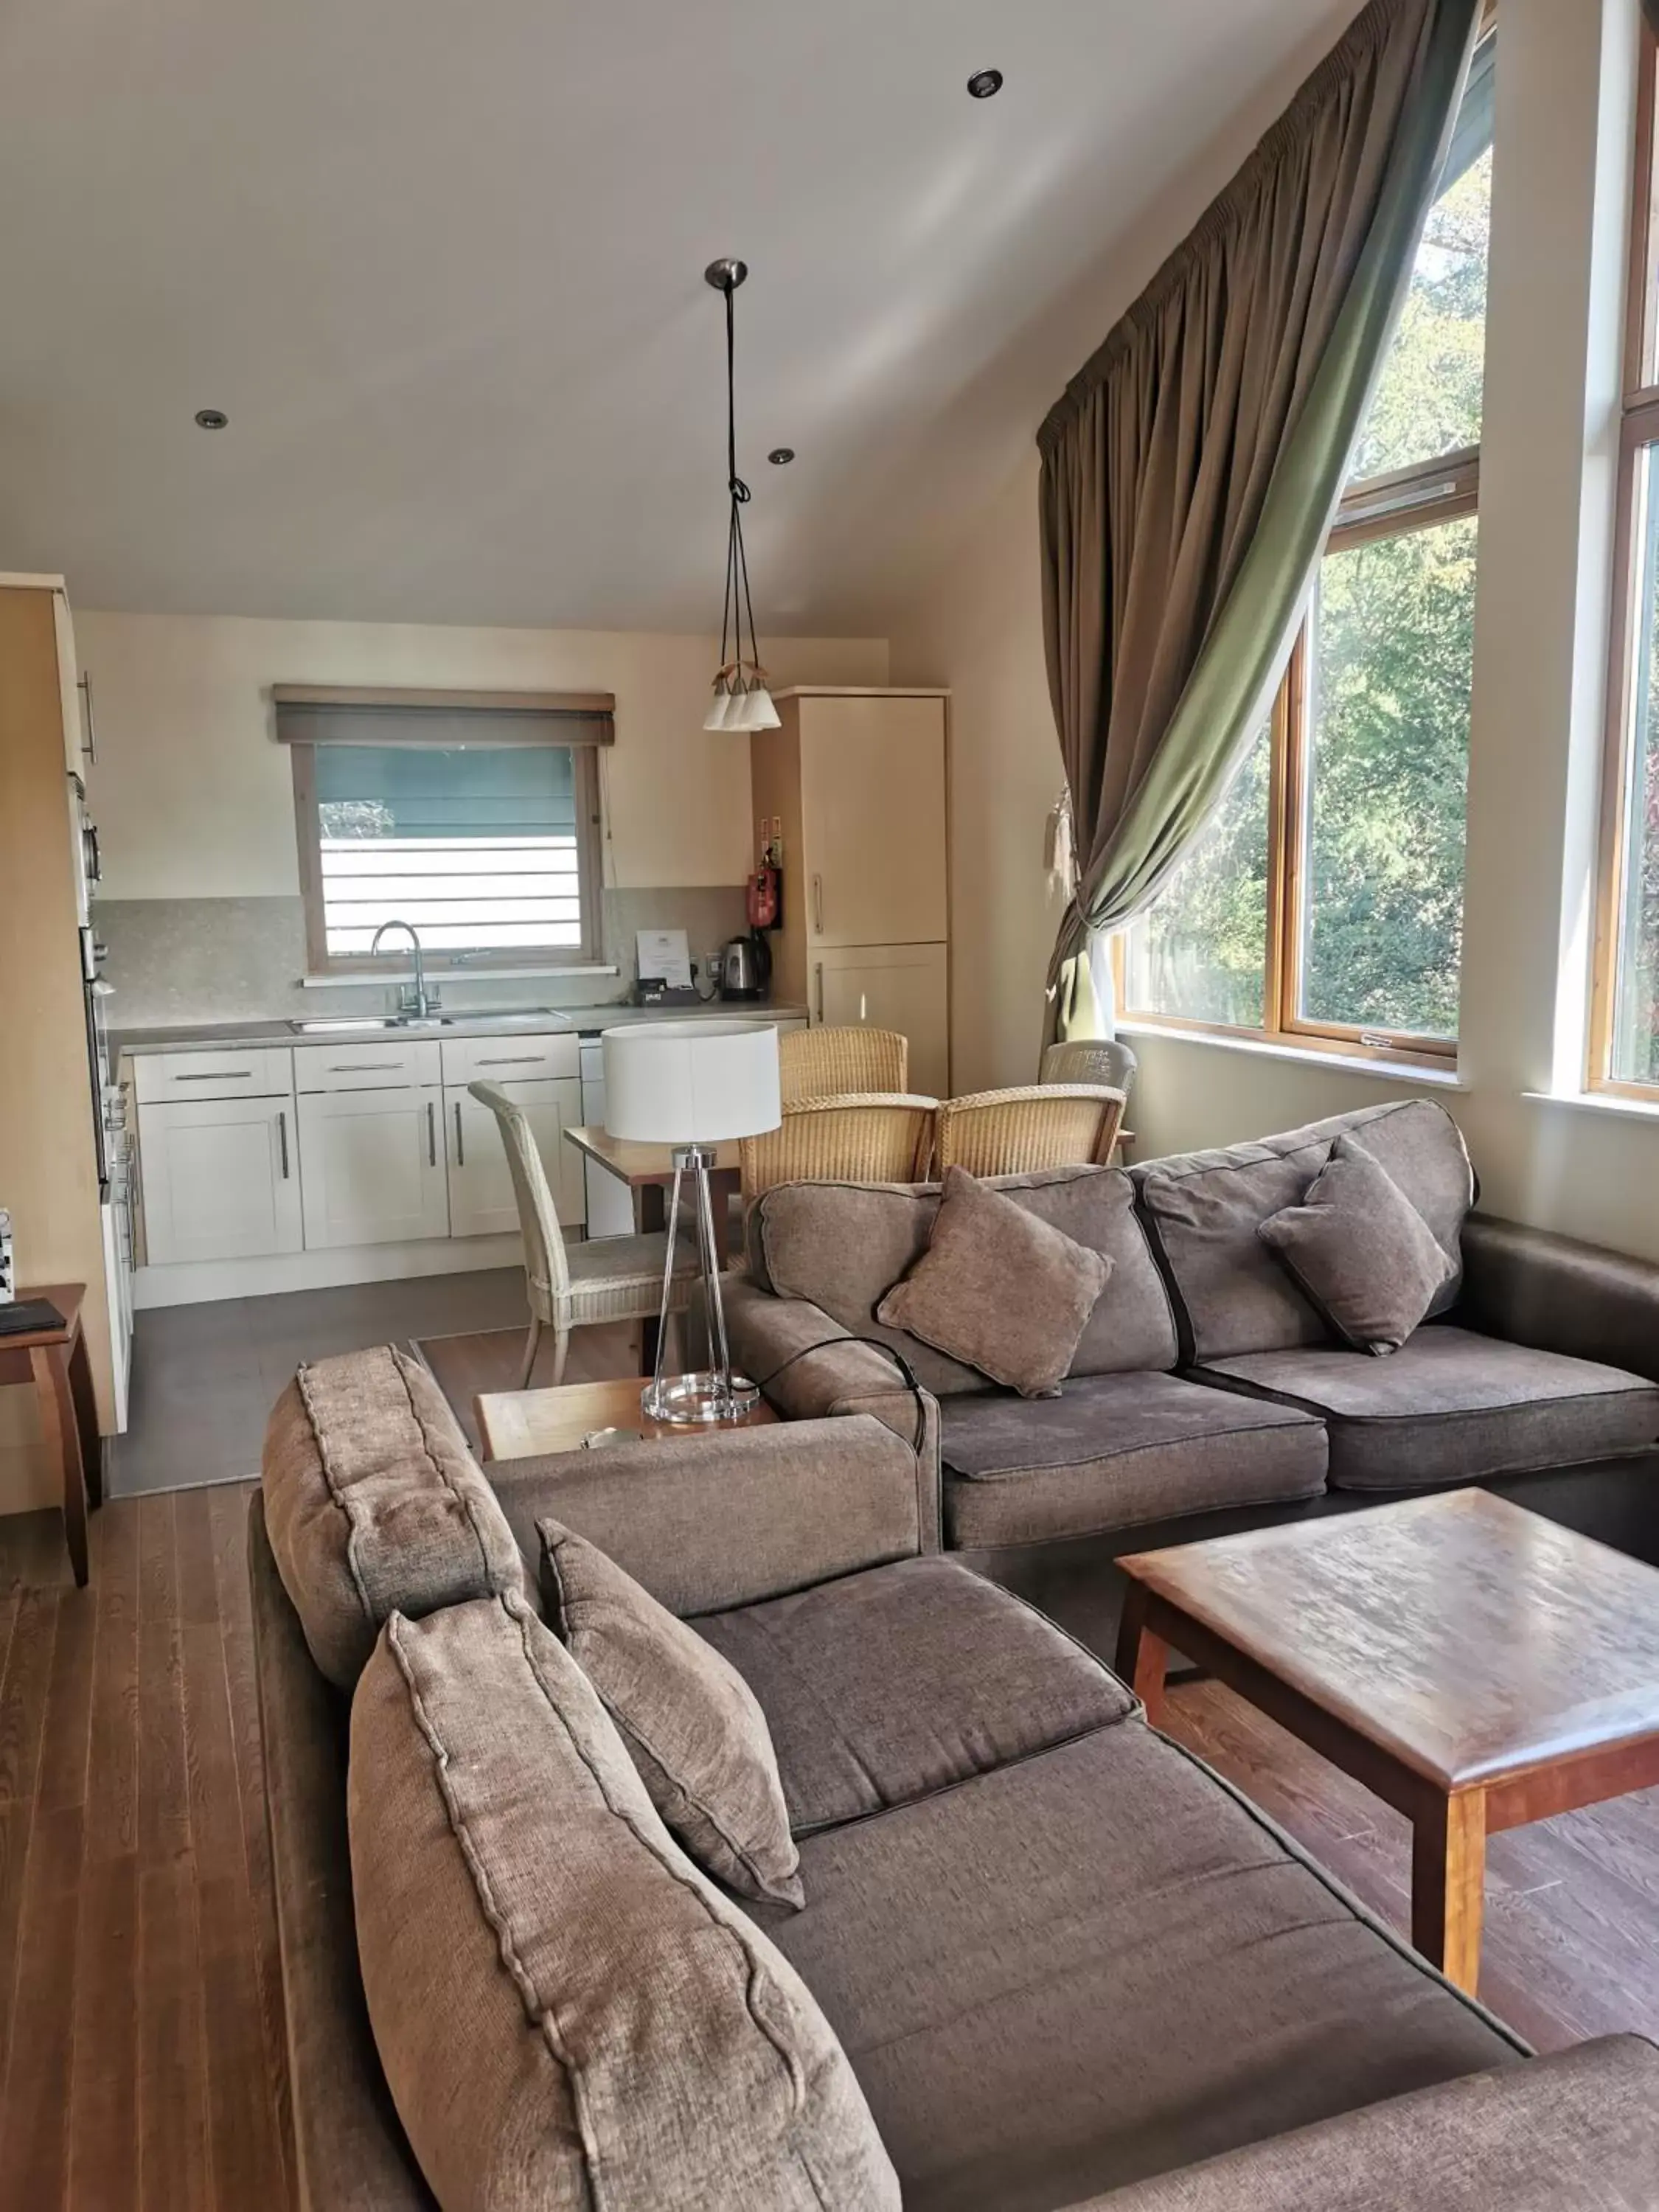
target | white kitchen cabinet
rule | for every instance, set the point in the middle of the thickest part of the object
(373, 1166)
(481, 1199)
(891, 986)
(221, 1179)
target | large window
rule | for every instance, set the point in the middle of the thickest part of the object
(1625, 1029)
(490, 850)
(1324, 903)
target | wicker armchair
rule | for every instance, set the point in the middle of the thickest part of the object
(1038, 1125)
(1090, 1060)
(842, 1063)
(869, 1137)
(614, 1279)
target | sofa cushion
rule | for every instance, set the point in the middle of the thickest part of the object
(1359, 1250)
(885, 1686)
(567, 2012)
(1113, 1450)
(1096, 1965)
(1452, 1406)
(374, 1504)
(1203, 1210)
(956, 1296)
(689, 1721)
(843, 1246)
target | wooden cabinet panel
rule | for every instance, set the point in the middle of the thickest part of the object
(510, 1058)
(354, 1065)
(891, 986)
(373, 1167)
(481, 1199)
(221, 1179)
(872, 820)
(240, 1071)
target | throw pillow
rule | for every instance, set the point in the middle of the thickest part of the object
(1360, 1251)
(999, 1289)
(691, 1722)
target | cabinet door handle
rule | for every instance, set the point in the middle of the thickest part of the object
(820, 992)
(431, 1134)
(818, 906)
(357, 1067)
(220, 1075)
(282, 1136)
(460, 1145)
(513, 1059)
(89, 740)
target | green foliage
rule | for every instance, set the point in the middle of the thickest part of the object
(1390, 658)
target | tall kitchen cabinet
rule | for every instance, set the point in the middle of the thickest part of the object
(855, 782)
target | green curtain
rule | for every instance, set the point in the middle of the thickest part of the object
(1192, 468)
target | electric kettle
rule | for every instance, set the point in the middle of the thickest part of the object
(746, 968)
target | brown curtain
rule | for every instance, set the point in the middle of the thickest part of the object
(1190, 471)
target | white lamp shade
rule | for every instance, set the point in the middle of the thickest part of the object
(687, 1082)
(761, 714)
(719, 716)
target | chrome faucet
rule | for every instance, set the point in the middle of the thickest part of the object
(413, 999)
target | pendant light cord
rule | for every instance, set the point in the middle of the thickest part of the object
(733, 607)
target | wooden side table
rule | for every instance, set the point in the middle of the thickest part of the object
(55, 1361)
(523, 1424)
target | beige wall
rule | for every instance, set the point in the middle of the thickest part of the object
(1565, 93)
(194, 798)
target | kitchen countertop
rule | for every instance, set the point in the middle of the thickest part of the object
(577, 1021)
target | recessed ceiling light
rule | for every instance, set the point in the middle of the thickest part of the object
(984, 82)
(211, 418)
(781, 456)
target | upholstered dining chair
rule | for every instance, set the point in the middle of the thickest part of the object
(1090, 1060)
(612, 1279)
(841, 1061)
(1036, 1125)
(863, 1137)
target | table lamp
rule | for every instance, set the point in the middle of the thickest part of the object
(693, 1085)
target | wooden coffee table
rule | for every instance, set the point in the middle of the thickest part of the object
(1474, 1664)
(518, 1424)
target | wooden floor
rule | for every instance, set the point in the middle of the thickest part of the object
(140, 2013)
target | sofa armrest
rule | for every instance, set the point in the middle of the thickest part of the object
(1557, 1295)
(705, 1523)
(810, 1368)
(1565, 2134)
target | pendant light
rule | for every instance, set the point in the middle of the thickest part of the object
(741, 701)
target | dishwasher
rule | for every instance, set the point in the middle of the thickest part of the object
(610, 1203)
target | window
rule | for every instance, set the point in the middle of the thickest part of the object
(1625, 1022)
(1324, 902)
(472, 826)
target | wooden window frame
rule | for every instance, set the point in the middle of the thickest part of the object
(320, 961)
(1391, 505)
(1639, 430)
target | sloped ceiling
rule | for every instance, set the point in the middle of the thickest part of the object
(442, 265)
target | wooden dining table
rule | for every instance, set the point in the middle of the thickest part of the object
(649, 1171)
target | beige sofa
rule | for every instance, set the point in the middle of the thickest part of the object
(1069, 1965)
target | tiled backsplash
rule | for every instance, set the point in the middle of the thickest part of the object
(174, 961)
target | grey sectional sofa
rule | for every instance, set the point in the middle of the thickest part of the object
(1069, 1965)
(1207, 1393)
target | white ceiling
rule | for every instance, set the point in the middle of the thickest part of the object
(442, 265)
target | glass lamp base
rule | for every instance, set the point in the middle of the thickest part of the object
(702, 1397)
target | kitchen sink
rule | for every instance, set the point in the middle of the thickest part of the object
(364, 1024)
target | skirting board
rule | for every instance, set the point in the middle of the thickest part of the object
(196, 1281)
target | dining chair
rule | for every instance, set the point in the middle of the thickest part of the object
(861, 1136)
(841, 1062)
(1090, 1060)
(1033, 1125)
(569, 1288)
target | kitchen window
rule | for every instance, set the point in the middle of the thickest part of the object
(473, 817)
(1323, 904)
(1624, 1055)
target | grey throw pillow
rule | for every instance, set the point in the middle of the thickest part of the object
(691, 1724)
(1360, 1251)
(998, 1289)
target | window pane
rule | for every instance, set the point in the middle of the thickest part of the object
(476, 847)
(1636, 1007)
(1201, 951)
(1391, 643)
(1427, 401)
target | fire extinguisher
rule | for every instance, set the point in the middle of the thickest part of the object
(764, 899)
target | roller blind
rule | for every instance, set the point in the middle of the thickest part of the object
(340, 715)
